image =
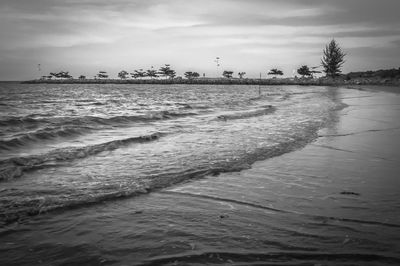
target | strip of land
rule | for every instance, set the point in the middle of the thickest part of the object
(229, 81)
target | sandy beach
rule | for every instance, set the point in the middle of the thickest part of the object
(334, 202)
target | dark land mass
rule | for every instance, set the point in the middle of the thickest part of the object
(232, 81)
(379, 77)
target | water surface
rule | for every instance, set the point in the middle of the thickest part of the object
(174, 158)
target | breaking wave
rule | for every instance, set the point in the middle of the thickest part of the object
(92, 120)
(19, 206)
(269, 109)
(47, 133)
(15, 167)
(72, 126)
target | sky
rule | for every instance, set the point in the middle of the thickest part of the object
(253, 36)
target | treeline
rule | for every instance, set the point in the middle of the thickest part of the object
(166, 72)
(200, 81)
(380, 74)
(331, 62)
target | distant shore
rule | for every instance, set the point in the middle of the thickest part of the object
(226, 81)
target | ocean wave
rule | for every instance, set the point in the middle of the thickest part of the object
(71, 126)
(47, 133)
(92, 120)
(122, 186)
(18, 121)
(15, 167)
(269, 109)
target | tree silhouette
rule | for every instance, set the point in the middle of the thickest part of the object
(123, 74)
(275, 72)
(241, 74)
(138, 74)
(167, 72)
(227, 74)
(134, 75)
(191, 75)
(304, 71)
(61, 74)
(333, 59)
(102, 75)
(152, 73)
(82, 77)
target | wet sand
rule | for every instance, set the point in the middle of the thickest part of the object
(334, 202)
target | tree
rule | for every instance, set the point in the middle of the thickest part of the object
(191, 75)
(241, 74)
(138, 74)
(227, 74)
(54, 74)
(82, 77)
(275, 72)
(304, 71)
(152, 73)
(123, 74)
(333, 59)
(102, 75)
(167, 72)
(62, 75)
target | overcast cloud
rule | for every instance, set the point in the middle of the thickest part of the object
(86, 36)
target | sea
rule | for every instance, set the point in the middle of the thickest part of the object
(125, 174)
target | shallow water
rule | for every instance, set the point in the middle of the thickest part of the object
(71, 145)
(175, 163)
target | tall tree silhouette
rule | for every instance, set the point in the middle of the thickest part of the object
(333, 59)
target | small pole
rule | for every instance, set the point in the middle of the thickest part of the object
(39, 70)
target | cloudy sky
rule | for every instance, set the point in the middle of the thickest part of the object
(85, 36)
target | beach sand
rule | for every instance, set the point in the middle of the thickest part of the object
(334, 202)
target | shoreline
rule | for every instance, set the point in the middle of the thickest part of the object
(226, 81)
(376, 88)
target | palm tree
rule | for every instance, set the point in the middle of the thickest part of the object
(275, 72)
(304, 71)
(241, 74)
(152, 73)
